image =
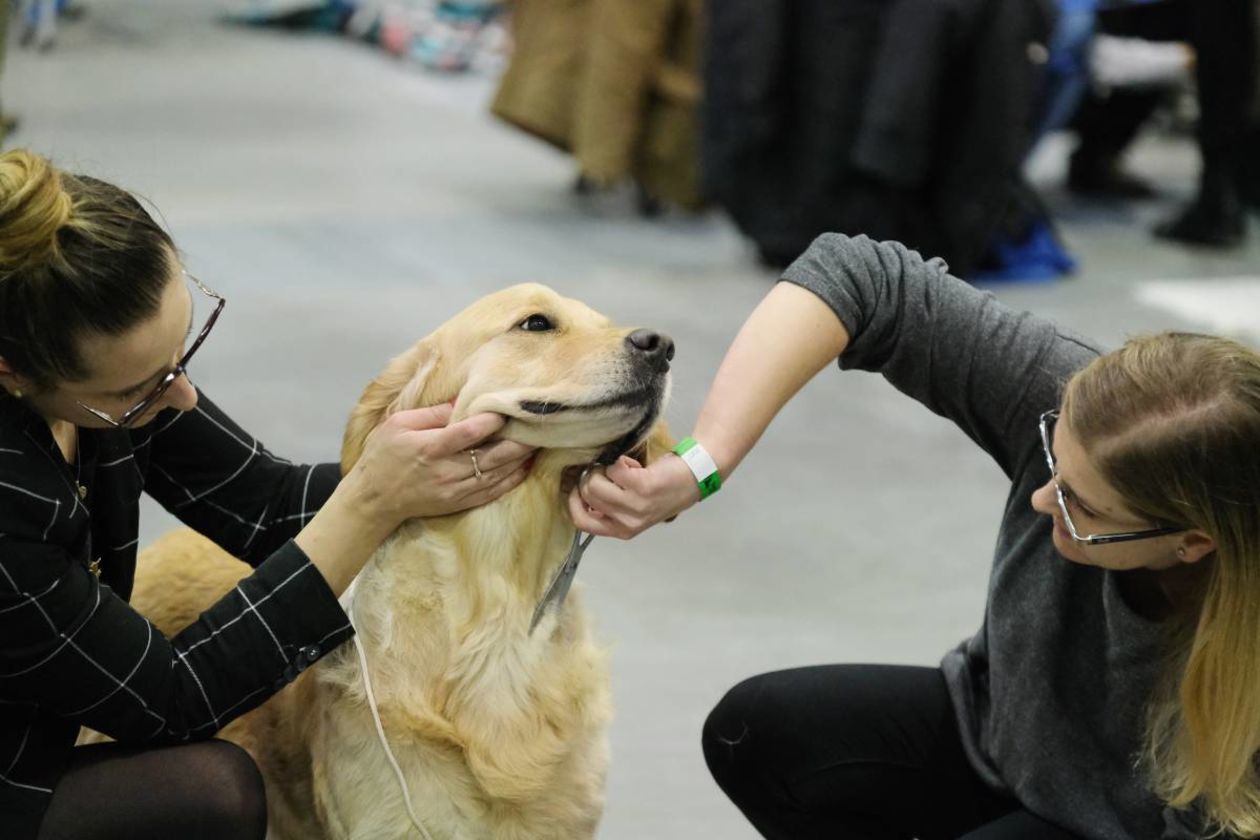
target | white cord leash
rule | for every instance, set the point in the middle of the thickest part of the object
(554, 596)
(380, 729)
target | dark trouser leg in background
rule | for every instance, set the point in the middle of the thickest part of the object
(857, 752)
(1221, 33)
(210, 790)
(7, 122)
(1107, 126)
(1107, 123)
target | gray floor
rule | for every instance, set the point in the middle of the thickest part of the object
(346, 204)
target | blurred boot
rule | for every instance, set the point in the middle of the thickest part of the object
(1249, 177)
(1101, 177)
(1215, 219)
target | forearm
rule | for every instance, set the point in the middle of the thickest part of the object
(788, 338)
(343, 535)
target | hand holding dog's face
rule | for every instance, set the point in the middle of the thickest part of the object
(417, 464)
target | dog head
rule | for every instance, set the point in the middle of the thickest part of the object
(567, 379)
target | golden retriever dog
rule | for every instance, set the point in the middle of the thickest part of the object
(500, 732)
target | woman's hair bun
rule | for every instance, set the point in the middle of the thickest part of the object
(33, 208)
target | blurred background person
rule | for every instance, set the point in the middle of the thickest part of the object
(8, 122)
(1226, 42)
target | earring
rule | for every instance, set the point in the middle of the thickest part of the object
(1181, 552)
(17, 392)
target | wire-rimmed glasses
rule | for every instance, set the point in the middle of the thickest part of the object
(129, 416)
(1046, 425)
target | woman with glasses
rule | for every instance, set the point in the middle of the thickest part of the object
(1113, 688)
(98, 325)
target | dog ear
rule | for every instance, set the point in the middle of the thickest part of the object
(399, 387)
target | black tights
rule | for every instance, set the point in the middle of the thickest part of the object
(210, 790)
(859, 752)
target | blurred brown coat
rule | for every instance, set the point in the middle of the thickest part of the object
(614, 82)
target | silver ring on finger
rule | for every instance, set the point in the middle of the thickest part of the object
(472, 454)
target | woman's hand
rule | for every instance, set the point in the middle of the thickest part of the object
(626, 499)
(413, 464)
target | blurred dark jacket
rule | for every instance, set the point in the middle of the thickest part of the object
(614, 82)
(1255, 57)
(901, 119)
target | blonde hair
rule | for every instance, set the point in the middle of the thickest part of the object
(33, 207)
(1172, 421)
(77, 256)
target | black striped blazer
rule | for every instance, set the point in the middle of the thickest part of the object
(72, 652)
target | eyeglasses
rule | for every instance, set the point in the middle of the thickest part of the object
(129, 416)
(1047, 435)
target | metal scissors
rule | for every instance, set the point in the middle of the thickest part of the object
(558, 589)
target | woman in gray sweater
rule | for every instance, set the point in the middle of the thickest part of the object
(1113, 689)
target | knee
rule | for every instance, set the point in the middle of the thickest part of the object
(235, 800)
(733, 730)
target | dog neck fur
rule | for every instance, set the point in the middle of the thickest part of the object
(458, 592)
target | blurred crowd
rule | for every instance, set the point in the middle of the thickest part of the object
(911, 120)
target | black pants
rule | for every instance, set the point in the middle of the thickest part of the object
(1108, 122)
(1221, 32)
(856, 752)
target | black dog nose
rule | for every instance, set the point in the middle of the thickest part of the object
(659, 348)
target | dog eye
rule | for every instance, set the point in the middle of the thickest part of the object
(537, 323)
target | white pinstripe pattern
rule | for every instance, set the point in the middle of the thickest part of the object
(252, 607)
(257, 527)
(26, 735)
(69, 641)
(56, 503)
(175, 418)
(306, 486)
(262, 621)
(51, 624)
(148, 644)
(29, 597)
(25, 787)
(200, 687)
(193, 497)
(304, 515)
(174, 483)
(258, 503)
(252, 445)
(118, 461)
(89, 659)
(60, 468)
(230, 712)
(37, 788)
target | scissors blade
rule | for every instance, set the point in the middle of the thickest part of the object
(558, 589)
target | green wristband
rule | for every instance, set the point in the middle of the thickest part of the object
(701, 464)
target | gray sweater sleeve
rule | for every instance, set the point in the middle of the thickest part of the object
(957, 350)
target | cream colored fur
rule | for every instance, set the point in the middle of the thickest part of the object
(500, 733)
